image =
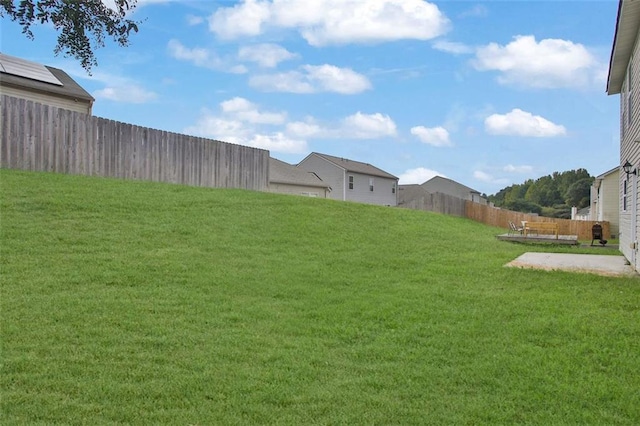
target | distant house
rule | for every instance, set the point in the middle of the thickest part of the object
(39, 83)
(605, 200)
(451, 187)
(351, 180)
(286, 178)
(581, 214)
(624, 79)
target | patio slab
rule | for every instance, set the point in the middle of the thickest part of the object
(587, 263)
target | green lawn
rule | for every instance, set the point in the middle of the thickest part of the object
(142, 303)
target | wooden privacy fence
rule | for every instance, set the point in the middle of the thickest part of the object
(39, 137)
(437, 202)
(498, 217)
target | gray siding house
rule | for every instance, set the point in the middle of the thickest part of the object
(286, 178)
(453, 188)
(605, 200)
(351, 180)
(624, 80)
(32, 81)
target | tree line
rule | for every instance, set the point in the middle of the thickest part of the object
(552, 195)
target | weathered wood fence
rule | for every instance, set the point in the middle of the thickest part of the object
(39, 137)
(498, 217)
(437, 202)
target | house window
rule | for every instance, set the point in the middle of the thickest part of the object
(393, 188)
(371, 184)
(624, 195)
(350, 182)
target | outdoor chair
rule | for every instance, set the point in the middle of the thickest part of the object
(513, 228)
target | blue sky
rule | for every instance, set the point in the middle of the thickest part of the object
(487, 93)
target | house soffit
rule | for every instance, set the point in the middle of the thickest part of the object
(626, 32)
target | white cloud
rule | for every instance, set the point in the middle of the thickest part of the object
(481, 176)
(550, 63)
(202, 57)
(435, 136)
(355, 126)
(522, 123)
(418, 176)
(266, 55)
(477, 11)
(116, 87)
(452, 47)
(244, 110)
(510, 168)
(243, 19)
(227, 130)
(373, 21)
(126, 93)
(243, 122)
(304, 129)
(313, 79)
(290, 82)
(239, 122)
(333, 21)
(280, 143)
(193, 20)
(368, 126)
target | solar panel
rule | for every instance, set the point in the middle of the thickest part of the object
(27, 69)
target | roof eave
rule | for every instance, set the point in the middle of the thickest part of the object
(627, 24)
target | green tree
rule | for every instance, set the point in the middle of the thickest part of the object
(550, 195)
(524, 206)
(579, 193)
(82, 25)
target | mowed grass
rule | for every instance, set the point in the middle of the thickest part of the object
(143, 303)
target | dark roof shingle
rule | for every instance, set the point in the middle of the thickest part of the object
(356, 166)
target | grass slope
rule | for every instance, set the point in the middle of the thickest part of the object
(142, 303)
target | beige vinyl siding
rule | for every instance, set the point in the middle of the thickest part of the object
(608, 208)
(290, 189)
(47, 99)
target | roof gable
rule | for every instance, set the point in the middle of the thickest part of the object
(39, 81)
(281, 172)
(435, 181)
(609, 172)
(354, 166)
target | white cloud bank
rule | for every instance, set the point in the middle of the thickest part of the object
(522, 123)
(368, 126)
(485, 177)
(328, 22)
(418, 176)
(118, 88)
(313, 79)
(126, 93)
(243, 122)
(355, 126)
(548, 63)
(202, 57)
(266, 55)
